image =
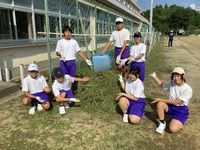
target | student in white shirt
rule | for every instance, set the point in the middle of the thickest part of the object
(62, 89)
(137, 55)
(132, 102)
(66, 49)
(35, 90)
(120, 37)
(176, 105)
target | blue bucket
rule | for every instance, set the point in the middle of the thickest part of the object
(101, 62)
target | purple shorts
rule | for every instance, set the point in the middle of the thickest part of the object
(141, 66)
(125, 54)
(69, 67)
(136, 107)
(42, 95)
(179, 113)
(69, 93)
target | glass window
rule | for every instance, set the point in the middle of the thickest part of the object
(5, 28)
(22, 25)
(6, 1)
(39, 4)
(40, 25)
(26, 3)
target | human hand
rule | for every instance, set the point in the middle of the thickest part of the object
(131, 60)
(89, 63)
(123, 61)
(62, 56)
(47, 89)
(39, 99)
(152, 75)
(118, 59)
(155, 100)
(86, 79)
(74, 100)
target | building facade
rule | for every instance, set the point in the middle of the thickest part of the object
(29, 29)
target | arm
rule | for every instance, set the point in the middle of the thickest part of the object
(126, 95)
(85, 79)
(81, 55)
(62, 99)
(106, 47)
(159, 82)
(139, 56)
(123, 47)
(27, 94)
(173, 102)
(47, 89)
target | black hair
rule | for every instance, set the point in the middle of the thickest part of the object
(135, 71)
(65, 28)
(182, 78)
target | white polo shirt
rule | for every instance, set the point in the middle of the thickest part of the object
(138, 49)
(65, 85)
(183, 92)
(34, 85)
(118, 37)
(68, 48)
(135, 88)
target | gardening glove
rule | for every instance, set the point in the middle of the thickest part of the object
(74, 100)
(39, 99)
(120, 78)
(118, 59)
(152, 75)
(123, 61)
(62, 56)
(89, 63)
(131, 60)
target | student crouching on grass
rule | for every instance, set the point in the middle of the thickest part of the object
(137, 55)
(180, 94)
(132, 102)
(62, 89)
(66, 49)
(35, 90)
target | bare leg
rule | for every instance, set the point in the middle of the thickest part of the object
(161, 109)
(134, 118)
(26, 101)
(175, 125)
(123, 104)
(125, 72)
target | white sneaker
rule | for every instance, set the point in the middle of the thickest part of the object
(32, 110)
(66, 105)
(39, 107)
(62, 110)
(152, 75)
(125, 117)
(160, 129)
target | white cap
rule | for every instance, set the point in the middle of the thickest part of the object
(178, 70)
(33, 67)
(119, 20)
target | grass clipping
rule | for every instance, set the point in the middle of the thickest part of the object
(100, 92)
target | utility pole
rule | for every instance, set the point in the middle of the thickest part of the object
(151, 19)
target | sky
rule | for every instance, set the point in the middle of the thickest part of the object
(145, 4)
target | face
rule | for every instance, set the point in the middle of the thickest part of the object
(177, 79)
(67, 34)
(119, 25)
(60, 79)
(132, 77)
(137, 40)
(33, 74)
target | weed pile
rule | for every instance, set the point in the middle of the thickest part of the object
(100, 92)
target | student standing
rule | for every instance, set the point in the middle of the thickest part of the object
(171, 37)
(176, 105)
(66, 49)
(137, 55)
(62, 89)
(132, 102)
(35, 90)
(120, 37)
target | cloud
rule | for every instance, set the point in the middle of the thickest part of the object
(193, 6)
